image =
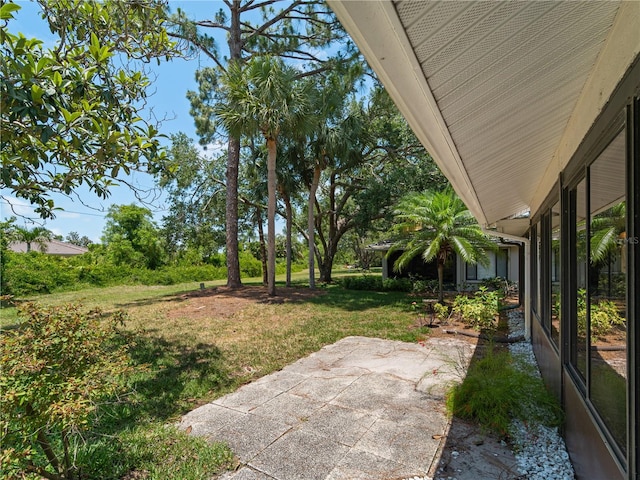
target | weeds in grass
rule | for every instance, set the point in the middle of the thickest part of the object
(500, 387)
(190, 361)
(153, 451)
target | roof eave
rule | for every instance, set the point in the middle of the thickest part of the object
(376, 30)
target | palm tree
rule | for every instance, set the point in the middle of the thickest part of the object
(336, 143)
(606, 229)
(37, 235)
(436, 225)
(289, 182)
(608, 234)
(264, 96)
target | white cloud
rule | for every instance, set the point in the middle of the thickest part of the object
(211, 149)
(12, 207)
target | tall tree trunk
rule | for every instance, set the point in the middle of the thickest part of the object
(233, 161)
(263, 247)
(440, 282)
(271, 216)
(325, 268)
(287, 204)
(233, 257)
(311, 225)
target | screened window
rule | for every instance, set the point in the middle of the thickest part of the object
(606, 288)
(472, 272)
(599, 287)
(502, 263)
(554, 273)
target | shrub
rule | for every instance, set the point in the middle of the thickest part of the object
(441, 311)
(604, 316)
(478, 311)
(364, 282)
(424, 286)
(36, 272)
(397, 284)
(249, 265)
(376, 284)
(498, 388)
(57, 367)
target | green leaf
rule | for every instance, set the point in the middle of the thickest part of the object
(6, 11)
(57, 79)
(36, 93)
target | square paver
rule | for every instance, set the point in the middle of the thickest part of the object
(281, 380)
(300, 455)
(339, 424)
(322, 389)
(247, 397)
(288, 408)
(376, 393)
(208, 419)
(360, 465)
(245, 473)
(250, 435)
(413, 446)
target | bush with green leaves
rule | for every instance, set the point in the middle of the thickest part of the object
(480, 310)
(604, 316)
(363, 282)
(57, 367)
(500, 387)
(35, 272)
(424, 286)
(441, 311)
(375, 283)
(397, 285)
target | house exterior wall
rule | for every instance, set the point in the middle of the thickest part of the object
(491, 271)
(595, 377)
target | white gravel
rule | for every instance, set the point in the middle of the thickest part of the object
(540, 451)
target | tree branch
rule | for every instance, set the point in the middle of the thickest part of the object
(201, 46)
(276, 19)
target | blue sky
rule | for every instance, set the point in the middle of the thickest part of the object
(173, 81)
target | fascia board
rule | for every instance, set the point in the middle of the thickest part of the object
(375, 27)
(620, 50)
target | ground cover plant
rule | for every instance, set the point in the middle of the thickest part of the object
(197, 345)
(64, 371)
(480, 310)
(500, 387)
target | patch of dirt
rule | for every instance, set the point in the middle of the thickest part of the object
(466, 453)
(224, 302)
(470, 454)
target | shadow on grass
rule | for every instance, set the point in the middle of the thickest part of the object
(173, 379)
(131, 439)
(361, 300)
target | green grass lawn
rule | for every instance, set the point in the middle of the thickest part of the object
(194, 358)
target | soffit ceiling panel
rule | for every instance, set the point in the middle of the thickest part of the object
(506, 77)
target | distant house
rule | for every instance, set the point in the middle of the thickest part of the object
(52, 247)
(503, 263)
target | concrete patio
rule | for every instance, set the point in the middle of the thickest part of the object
(361, 408)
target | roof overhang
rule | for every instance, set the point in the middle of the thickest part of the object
(500, 93)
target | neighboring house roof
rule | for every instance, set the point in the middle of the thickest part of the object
(500, 93)
(52, 247)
